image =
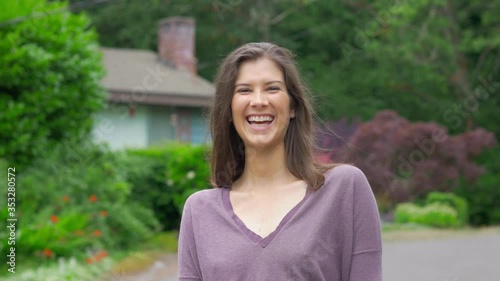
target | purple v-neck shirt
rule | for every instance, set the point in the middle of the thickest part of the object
(333, 234)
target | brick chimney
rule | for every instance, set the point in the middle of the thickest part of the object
(176, 42)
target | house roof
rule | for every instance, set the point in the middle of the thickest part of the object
(138, 76)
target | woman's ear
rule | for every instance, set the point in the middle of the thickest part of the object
(292, 113)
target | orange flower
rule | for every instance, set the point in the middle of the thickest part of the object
(54, 218)
(100, 255)
(92, 198)
(65, 198)
(47, 252)
(97, 233)
(103, 254)
(104, 213)
(89, 260)
(79, 232)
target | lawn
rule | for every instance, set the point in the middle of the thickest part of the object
(395, 232)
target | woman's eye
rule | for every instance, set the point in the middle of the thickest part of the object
(273, 89)
(244, 90)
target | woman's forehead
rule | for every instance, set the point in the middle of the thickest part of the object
(257, 71)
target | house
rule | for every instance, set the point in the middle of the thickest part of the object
(153, 97)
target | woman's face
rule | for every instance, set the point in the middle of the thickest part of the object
(261, 104)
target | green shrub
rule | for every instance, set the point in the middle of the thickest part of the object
(187, 171)
(145, 171)
(483, 195)
(50, 78)
(161, 178)
(74, 199)
(406, 212)
(59, 234)
(454, 201)
(438, 215)
(435, 214)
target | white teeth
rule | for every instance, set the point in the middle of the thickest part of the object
(254, 118)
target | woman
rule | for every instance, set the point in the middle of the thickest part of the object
(275, 214)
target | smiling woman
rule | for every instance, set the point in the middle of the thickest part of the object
(275, 214)
(261, 109)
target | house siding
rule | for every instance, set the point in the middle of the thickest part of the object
(119, 129)
(160, 127)
(149, 125)
(199, 127)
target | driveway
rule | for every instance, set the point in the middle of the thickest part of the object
(470, 258)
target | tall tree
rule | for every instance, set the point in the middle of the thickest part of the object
(429, 60)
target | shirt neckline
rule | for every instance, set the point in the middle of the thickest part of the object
(263, 242)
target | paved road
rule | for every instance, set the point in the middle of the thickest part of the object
(471, 258)
(468, 258)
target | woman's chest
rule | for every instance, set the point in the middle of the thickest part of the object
(300, 251)
(263, 215)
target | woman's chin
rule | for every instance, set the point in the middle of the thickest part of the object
(262, 144)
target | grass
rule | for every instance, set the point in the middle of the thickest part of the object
(408, 232)
(144, 257)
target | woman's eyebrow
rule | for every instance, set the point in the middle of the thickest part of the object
(270, 82)
(275, 81)
(241, 84)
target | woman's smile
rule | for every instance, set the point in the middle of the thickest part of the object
(260, 122)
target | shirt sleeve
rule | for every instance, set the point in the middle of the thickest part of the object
(366, 261)
(189, 267)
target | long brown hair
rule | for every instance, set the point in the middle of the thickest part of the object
(228, 150)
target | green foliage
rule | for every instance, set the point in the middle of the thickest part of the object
(18, 8)
(60, 236)
(187, 171)
(454, 201)
(144, 170)
(161, 178)
(129, 224)
(484, 194)
(434, 214)
(439, 209)
(405, 212)
(64, 270)
(50, 78)
(84, 204)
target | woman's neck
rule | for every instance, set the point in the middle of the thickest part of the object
(265, 170)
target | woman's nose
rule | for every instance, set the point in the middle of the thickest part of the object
(258, 99)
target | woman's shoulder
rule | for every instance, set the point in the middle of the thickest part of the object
(346, 177)
(203, 197)
(344, 171)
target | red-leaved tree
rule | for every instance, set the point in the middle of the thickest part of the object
(404, 160)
